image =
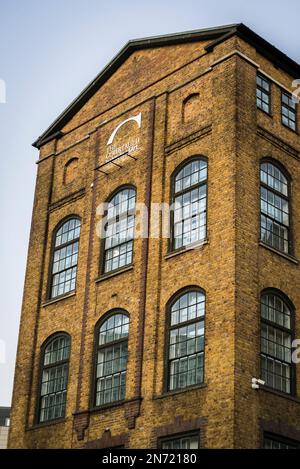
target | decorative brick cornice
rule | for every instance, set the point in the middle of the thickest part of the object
(66, 200)
(278, 142)
(189, 139)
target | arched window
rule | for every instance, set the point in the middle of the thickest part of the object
(274, 203)
(65, 257)
(54, 378)
(276, 342)
(186, 340)
(189, 204)
(111, 358)
(119, 230)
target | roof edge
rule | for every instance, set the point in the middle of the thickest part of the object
(217, 34)
(117, 60)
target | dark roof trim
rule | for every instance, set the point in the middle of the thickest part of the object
(119, 59)
(278, 58)
(217, 34)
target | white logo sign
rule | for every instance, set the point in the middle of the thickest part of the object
(137, 119)
(128, 147)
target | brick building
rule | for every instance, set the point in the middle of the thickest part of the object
(112, 350)
(4, 426)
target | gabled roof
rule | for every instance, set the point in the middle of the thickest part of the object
(217, 34)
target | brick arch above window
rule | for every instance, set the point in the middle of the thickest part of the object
(190, 107)
(71, 170)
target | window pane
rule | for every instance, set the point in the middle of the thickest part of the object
(112, 360)
(119, 230)
(114, 328)
(190, 206)
(263, 93)
(276, 343)
(186, 343)
(57, 350)
(275, 310)
(65, 258)
(274, 207)
(288, 111)
(54, 379)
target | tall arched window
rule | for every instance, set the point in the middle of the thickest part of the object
(186, 340)
(276, 341)
(65, 257)
(274, 203)
(119, 230)
(54, 378)
(189, 215)
(111, 358)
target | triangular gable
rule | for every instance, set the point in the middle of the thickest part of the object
(214, 35)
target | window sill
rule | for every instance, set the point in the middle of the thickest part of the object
(179, 391)
(289, 257)
(111, 405)
(36, 426)
(191, 247)
(105, 407)
(290, 129)
(290, 397)
(269, 114)
(114, 273)
(59, 298)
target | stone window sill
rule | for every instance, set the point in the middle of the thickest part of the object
(290, 397)
(192, 247)
(36, 426)
(269, 114)
(179, 391)
(114, 273)
(289, 257)
(59, 298)
(105, 407)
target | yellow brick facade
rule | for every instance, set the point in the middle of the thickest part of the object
(232, 267)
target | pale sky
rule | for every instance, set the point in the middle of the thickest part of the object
(49, 51)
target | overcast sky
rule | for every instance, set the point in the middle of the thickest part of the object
(49, 51)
